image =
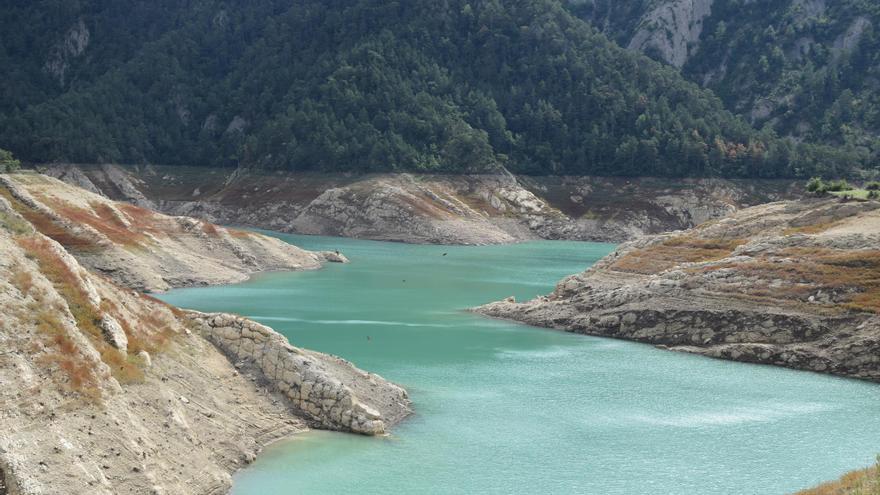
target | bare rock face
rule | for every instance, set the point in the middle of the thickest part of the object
(435, 209)
(114, 333)
(791, 284)
(311, 381)
(671, 29)
(848, 41)
(397, 208)
(333, 256)
(72, 45)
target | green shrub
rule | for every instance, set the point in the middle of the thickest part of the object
(8, 163)
(873, 186)
(817, 185)
(838, 185)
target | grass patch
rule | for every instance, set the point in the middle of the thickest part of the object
(66, 355)
(141, 218)
(48, 227)
(22, 279)
(210, 229)
(816, 228)
(860, 482)
(101, 217)
(860, 194)
(87, 318)
(675, 251)
(855, 274)
(239, 234)
(155, 332)
(14, 224)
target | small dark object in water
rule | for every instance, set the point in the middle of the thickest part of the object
(369, 338)
(444, 254)
(337, 252)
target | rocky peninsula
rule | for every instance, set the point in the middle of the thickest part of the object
(793, 283)
(107, 390)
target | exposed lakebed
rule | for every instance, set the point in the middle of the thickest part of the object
(505, 408)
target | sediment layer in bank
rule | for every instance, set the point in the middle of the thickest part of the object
(432, 209)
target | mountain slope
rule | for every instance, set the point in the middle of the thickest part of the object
(107, 390)
(369, 86)
(141, 249)
(805, 68)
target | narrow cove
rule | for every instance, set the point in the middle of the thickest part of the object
(505, 408)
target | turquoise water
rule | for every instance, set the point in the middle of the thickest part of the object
(508, 409)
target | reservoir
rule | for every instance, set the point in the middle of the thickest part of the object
(502, 408)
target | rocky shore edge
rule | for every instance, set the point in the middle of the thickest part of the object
(790, 284)
(318, 386)
(428, 208)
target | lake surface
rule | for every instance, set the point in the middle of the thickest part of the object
(509, 409)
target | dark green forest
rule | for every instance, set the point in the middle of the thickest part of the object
(809, 69)
(367, 85)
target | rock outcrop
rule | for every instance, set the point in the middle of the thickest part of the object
(72, 45)
(311, 381)
(106, 390)
(437, 209)
(792, 284)
(672, 30)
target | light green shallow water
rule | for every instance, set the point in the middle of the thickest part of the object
(503, 408)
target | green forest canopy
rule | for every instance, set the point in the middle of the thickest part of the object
(809, 69)
(366, 85)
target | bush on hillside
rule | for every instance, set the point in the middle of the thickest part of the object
(8, 163)
(838, 185)
(817, 185)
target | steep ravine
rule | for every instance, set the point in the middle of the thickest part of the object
(107, 390)
(429, 209)
(793, 284)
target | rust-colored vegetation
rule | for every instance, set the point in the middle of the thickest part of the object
(814, 228)
(675, 251)
(64, 352)
(238, 233)
(101, 217)
(14, 224)
(142, 219)
(87, 318)
(210, 229)
(49, 227)
(853, 273)
(154, 330)
(861, 482)
(21, 279)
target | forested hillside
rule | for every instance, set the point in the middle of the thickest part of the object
(809, 69)
(365, 85)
